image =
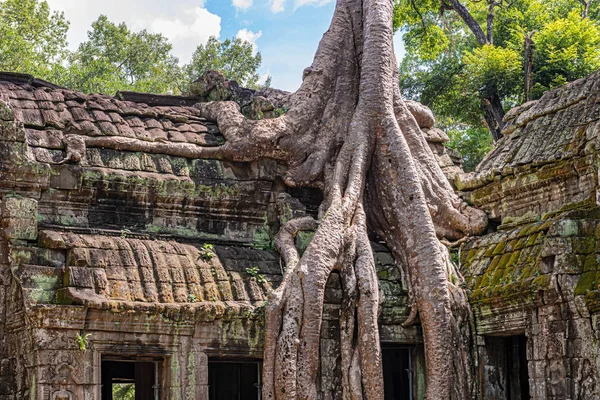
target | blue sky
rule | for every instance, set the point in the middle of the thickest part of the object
(286, 32)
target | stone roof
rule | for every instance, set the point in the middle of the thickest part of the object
(120, 273)
(133, 272)
(547, 158)
(561, 125)
(535, 263)
(47, 113)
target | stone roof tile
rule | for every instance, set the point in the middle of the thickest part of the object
(44, 108)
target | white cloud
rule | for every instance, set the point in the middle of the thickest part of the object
(249, 37)
(242, 4)
(185, 31)
(300, 3)
(277, 6)
(186, 23)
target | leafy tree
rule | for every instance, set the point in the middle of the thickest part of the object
(566, 49)
(32, 38)
(115, 58)
(234, 58)
(473, 143)
(471, 56)
(123, 391)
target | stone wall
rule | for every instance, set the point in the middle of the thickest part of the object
(536, 275)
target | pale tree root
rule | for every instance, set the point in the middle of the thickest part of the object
(403, 220)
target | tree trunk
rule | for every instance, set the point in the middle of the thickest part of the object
(528, 65)
(586, 8)
(349, 133)
(494, 115)
(492, 104)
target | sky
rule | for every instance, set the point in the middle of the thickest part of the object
(286, 32)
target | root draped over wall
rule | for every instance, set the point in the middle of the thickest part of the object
(349, 133)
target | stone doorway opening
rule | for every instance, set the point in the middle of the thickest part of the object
(505, 373)
(397, 373)
(130, 379)
(234, 380)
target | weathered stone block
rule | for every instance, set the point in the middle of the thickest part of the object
(564, 227)
(569, 264)
(69, 178)
(6, 113)
(12, 132)
(556, 245)
(79, 277)
(19, 218)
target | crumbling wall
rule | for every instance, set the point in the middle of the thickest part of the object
(537, 274)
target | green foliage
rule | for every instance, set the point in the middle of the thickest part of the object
(115, 58)
(566, 49)
(447, 69)
(207, 252)
(123, 391)
(473, 143)
(234, 58)
(278, 112)
(33, 39)
(82, 340)
(490, 69)
(254, 273)
(125, 232)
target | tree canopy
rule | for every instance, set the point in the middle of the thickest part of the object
(33, 40)
(235, 58)
(116, 58)
(463, 55)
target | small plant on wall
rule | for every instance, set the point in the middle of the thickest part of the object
(254, 273)
(207, 252)
(83, 340)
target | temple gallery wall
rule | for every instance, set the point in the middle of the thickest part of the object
(153, 270)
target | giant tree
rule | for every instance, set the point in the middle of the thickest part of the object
(349, 133)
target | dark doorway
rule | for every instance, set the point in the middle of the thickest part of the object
(234, 380)
(397, 373)
(517, 375)
(129, 380)
(504, 368)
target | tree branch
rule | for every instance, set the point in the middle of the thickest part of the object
(466, 16)
(490, 20)
(586, 8)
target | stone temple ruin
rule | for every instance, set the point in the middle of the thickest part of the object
(131, 267)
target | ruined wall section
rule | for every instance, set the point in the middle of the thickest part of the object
(547, 158)
(151, 254)
(536, 275)
(540, 280)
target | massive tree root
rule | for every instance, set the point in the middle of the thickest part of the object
(349, 133)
